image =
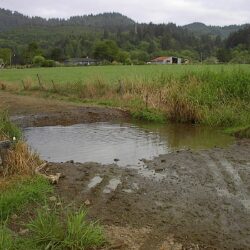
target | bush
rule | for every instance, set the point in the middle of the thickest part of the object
(49, 63)
(38, 60)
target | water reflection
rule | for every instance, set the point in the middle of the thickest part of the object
(127, 143)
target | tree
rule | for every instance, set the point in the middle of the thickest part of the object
(106, 50)
(5, 55)
(56, 54)
(223, 55)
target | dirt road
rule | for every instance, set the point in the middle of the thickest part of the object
(182, 200)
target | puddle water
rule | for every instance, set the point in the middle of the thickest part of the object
(125, 143)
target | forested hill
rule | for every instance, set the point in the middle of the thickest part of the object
(202, 29)
(112, 37)
(109, 21)
(11, 20)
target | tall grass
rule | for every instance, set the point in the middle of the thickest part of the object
(210, 97)
(19, 159)
(7, 128)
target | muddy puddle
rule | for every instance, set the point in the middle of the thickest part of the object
(120, 143)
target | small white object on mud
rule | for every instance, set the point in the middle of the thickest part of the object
(94, 182)
(113, 184)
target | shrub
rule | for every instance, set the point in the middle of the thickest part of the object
(38, 60)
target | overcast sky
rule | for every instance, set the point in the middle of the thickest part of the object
(214, 12)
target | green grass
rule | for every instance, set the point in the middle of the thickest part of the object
(52, 226)
(59, 230)
(110, 74)
(241, 132)
(21, 193)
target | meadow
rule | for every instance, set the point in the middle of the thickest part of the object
(212, 95)
(110, 74)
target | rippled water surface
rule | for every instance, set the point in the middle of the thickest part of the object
(126, 143)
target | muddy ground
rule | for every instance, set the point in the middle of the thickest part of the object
(182, 200)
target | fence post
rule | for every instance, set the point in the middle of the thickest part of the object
(147, 100)
(39, 82)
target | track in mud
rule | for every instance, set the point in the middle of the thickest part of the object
(202, 198)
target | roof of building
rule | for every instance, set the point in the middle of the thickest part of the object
(161, 59)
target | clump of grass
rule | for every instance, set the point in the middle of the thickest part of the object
(27, 83)
(240, 132)
(3, 86)
(149, 115)
(52, 229)
(20, 160)
(7, 129)
(14, 197)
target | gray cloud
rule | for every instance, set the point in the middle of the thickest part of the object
(214, 12)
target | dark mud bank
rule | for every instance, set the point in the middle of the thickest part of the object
(70, 117)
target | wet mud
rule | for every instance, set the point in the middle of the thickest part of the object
(201, 199)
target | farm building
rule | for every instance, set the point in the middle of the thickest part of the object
(166, 60)
(81, 61)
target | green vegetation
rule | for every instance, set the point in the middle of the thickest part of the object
(7, 128)
(22, 192)
(52, 225)
(110, 74)
(49, 230)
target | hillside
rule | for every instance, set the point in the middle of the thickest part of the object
(12, 20)
(223, 32)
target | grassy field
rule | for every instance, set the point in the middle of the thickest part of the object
(110, 74)
(213, 95)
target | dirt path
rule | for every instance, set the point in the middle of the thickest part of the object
(182, 200)
(32, 111)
